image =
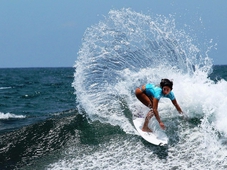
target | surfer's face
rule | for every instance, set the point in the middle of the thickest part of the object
(166, 90)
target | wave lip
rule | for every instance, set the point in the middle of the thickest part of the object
(10, 115)
(128, 49)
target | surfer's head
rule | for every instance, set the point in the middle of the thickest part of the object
(166, 86)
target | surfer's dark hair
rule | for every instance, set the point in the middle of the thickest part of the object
(166, 82)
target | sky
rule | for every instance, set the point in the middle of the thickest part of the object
(48, 33)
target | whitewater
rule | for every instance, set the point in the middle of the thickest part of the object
(124, 51)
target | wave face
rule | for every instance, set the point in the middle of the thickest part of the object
(128, 49)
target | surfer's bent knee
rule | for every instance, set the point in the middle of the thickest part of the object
(140, 91)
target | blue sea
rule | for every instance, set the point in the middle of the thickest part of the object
(80, 117)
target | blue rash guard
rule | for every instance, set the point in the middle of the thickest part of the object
(156, 92)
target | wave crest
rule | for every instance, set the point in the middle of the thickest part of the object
(124, 51)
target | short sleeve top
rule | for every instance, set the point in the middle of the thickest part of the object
(156, 92)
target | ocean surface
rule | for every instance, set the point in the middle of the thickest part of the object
(81, 117)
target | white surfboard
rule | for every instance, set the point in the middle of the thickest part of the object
(149, 136)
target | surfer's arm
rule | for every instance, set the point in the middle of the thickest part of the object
(155, 110)
(177, 106)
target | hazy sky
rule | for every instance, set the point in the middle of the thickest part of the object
(48, 33)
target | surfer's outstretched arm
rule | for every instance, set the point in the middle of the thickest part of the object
(177, 106)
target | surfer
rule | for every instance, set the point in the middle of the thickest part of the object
(150, 95)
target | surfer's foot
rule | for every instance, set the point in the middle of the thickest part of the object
(146, 129)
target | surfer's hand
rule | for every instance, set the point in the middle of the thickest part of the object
(162, 125)
(184, 115)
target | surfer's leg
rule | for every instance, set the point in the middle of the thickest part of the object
(143, 97)
(147, 101)
(148, 117)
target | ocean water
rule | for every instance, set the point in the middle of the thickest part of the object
(81, 117)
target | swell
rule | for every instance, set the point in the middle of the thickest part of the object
(48, 139)
(21, 147)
